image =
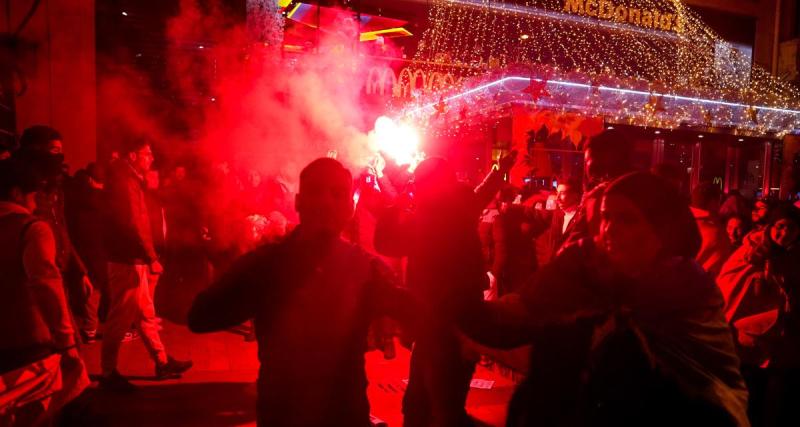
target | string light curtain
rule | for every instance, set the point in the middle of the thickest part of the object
(656, 47)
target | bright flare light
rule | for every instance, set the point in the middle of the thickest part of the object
(398, 141)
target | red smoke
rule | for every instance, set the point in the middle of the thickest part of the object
(265, 111)
(274, 114)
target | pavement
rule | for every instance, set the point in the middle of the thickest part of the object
(220, 389)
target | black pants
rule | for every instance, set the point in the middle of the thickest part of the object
(439, 381)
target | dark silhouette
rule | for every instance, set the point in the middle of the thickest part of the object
(649, 344)
(312, 297)
(440, 238)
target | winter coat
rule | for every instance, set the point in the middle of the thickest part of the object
(760, 285)
(610, 350)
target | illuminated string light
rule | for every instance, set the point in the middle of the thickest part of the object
(500, 83)
(618, 62)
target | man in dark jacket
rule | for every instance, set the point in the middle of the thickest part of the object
(313, 297)
(84, 212)
(440, 238)
(606, 157)
(132, 258)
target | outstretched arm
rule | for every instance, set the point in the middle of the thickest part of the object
(557, 294)
(232, 299)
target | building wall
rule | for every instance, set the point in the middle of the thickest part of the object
(764, 12)
(60, 73)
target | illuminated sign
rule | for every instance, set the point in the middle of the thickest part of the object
(383, 81)
(608, 10)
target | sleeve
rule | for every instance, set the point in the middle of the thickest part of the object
(499, 324)
(488, 188)
(387, 298)
(140, 219)
(46, 286)
(554, 296)
(231, 300)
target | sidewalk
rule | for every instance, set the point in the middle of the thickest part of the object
(220, 389)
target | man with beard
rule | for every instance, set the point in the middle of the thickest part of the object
(132, 263)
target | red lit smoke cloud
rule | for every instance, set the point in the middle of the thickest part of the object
(264, 112)
(271, 114)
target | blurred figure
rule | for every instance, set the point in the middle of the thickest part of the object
(312, 296)
(760, 214)
(734, 205)
(649, 344)
(606, 157)
(737, 227)
(568, 200)
(513, 246)
(761, 285)
(440, 238)
(41, 147)
(7, 146)
(84, 212)
(715, 248)
(254, 197)
(673, 174)
(39, 362)
(132, 261)
(185, 255)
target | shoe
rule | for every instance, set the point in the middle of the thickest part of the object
(88, 337)
(116, 383)
(173, 368)
(131, 336)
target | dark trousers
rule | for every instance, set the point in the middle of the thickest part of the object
(439, 381)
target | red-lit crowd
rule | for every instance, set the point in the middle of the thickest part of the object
(640, 302)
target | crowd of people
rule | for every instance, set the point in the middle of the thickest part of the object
(643, 303)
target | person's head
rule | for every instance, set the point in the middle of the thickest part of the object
(706, 196)
(784, 225)
(736, 228)
(568, 194)
(139, 154)
(19, 183)
(254, 178)
(606, 157)
(644, 219)
(433, 178)
(325, 200)
(43, 139)
(760, 213)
